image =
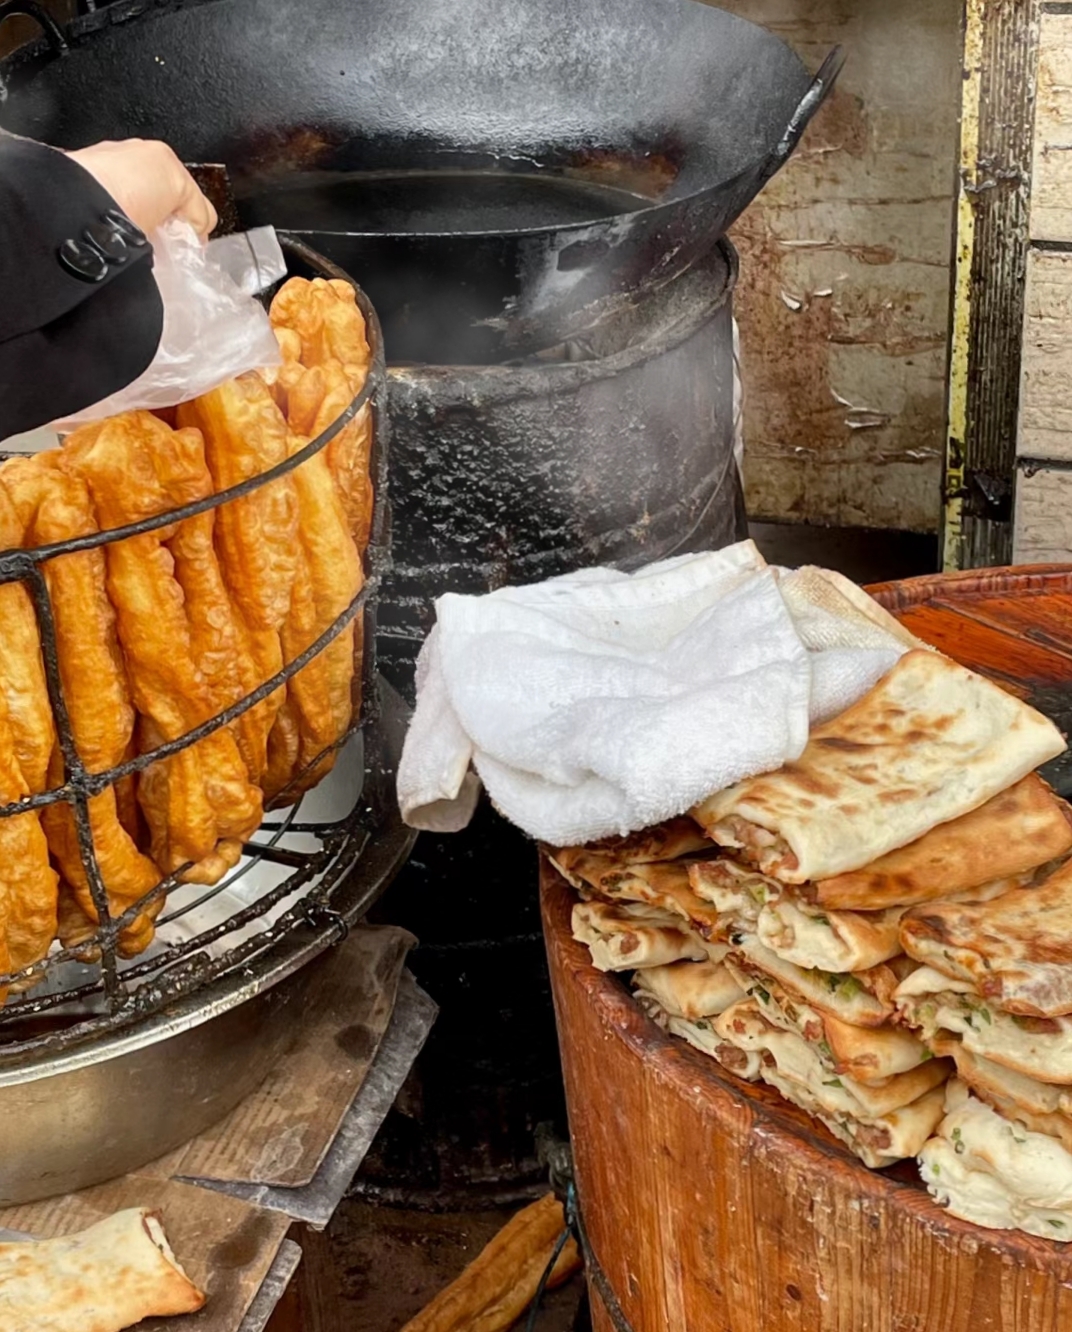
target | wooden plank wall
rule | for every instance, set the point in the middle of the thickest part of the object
(1043, 517)
(845, 267)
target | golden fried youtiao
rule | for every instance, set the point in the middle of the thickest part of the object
(28, 883)
(221, 643)
(281, 378)
(245, 434)
(324, 316)
(348, 453)
(329, 577)
(95, 692)
(283, 744)
(168, 688)
(22, 672)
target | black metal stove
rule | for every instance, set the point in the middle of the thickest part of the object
(532, 192)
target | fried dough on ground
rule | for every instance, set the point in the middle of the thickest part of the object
(245, 434)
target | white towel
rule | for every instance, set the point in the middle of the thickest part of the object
(599, 703)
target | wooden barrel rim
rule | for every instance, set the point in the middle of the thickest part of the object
(951, 587)
(691, 1074)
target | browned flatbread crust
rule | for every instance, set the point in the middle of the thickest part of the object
(1016, 949)
(929, 743)
(1018, 830)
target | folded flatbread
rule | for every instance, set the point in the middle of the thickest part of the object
(786, 922)
(698, 1032)
(1012, 834)
(1039, 1106)
(881, 1125)
(1036, 1047)
(1016, 950)
(867, 1054)
(930, 742)
(659, 885)
(862, 999)
(690, 989)
(799, 1061)
(103, 1279)
(997, 1174)
(662, 841)
(622, 936)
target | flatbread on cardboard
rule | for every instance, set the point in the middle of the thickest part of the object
(103, 1279)
(690, 989)
(929, 743)
(995, 1173)
(622, 936)
(1013, 833)
(1016, 949)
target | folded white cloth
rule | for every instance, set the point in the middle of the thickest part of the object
(599, 703)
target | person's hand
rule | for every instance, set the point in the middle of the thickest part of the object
(148, 182)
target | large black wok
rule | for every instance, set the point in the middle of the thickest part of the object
(494, 171)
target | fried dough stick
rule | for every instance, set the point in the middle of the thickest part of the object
(28, 884)
(221, 641)
(282, 378)
(331, 330)
(136, 466)
(57, 506)
(329, 578)
(22, 672)
(245, 434)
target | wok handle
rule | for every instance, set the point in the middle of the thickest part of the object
(41, 16)
(810, 103)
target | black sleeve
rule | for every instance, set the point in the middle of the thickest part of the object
(80, 312)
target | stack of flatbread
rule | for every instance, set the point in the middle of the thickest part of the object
(767, 928)
(993, 992)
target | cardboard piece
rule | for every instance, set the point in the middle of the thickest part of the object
(299, 1126)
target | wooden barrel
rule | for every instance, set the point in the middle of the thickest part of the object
(714, 1206)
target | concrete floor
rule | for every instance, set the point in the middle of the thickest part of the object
(377, 1266)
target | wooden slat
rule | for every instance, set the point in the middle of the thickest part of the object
(1043, 517)
(1045, 425)
(1000, 62)
(1051, 169)
(1016, 663)
(844, 292)
(1045, 619)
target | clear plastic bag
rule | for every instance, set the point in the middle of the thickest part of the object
(214, 328)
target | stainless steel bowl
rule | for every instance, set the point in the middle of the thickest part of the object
(111, 1105)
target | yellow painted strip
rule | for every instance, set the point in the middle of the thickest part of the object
(953, 553)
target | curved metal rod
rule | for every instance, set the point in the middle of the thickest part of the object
(52, 30)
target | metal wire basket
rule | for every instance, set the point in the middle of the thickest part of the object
(72, 1002)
